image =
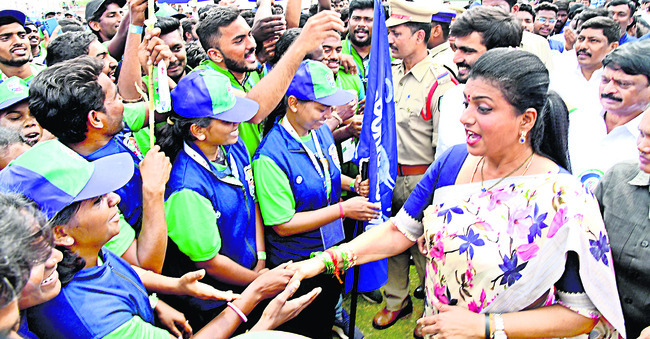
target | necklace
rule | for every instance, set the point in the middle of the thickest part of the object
(481, 162)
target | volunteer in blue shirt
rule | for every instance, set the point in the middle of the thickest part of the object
(212, 217)
(298, 182)
(102, 295)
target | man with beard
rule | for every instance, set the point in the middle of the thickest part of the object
(357, 44)
(38, 52)
(171, 35)
(15, 51)
(562, 21)
(104, 18)
(189, 29)
(577, 80)
(545, 19)
(562, 16)
(600, 139)
(98, 132)
(419, 84)
(477, 30)
(230, 46)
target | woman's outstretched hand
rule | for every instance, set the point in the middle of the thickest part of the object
(281, 309)
(306, 269)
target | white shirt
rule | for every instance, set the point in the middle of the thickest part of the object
(450, 131)
(593, 151)
(577, 92)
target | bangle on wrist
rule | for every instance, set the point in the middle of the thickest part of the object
(341, 210)
(352, 185)
(487, 326)
(337, 117)
(135, 29)
(261, 255)
(238, 311)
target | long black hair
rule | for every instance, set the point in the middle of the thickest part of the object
(523, 80)
(172, 135)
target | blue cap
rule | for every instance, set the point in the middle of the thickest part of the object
(207, 93)
(18, 15)
(315, 82)
(444, 16)
(54, 176)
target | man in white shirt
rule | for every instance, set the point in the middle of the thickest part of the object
(476, 31)
(577, 80)
(598, 141)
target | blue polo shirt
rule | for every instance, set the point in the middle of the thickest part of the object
(130, 194)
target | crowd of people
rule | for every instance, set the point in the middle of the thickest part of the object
(523, 168)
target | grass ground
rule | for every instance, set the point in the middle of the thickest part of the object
(403, 328)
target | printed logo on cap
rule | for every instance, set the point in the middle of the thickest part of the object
(14, 86)
(330, 79)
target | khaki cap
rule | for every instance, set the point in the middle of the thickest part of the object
(403, 12)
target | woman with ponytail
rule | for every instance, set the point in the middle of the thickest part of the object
(213, 219)
(515, 245)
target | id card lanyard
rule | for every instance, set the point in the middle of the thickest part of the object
(322, 169)
(234, 180)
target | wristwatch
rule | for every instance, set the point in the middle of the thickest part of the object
(499, 331)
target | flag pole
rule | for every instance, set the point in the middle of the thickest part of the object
(358, 229)
(150, 22)
(376, 154)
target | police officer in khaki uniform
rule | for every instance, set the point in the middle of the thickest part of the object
(419, 83)
(438, 44)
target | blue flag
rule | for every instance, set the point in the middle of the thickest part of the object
(378, 143)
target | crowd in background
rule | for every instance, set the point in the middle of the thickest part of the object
(226, 200)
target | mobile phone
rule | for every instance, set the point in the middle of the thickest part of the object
(50, 25)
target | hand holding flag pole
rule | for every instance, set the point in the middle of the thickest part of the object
(377, 151)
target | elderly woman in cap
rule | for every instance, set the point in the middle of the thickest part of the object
(213, 219)
(515, 244)
(298, 181)
(102, 295)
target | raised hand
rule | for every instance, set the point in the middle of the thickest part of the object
(155, 170)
